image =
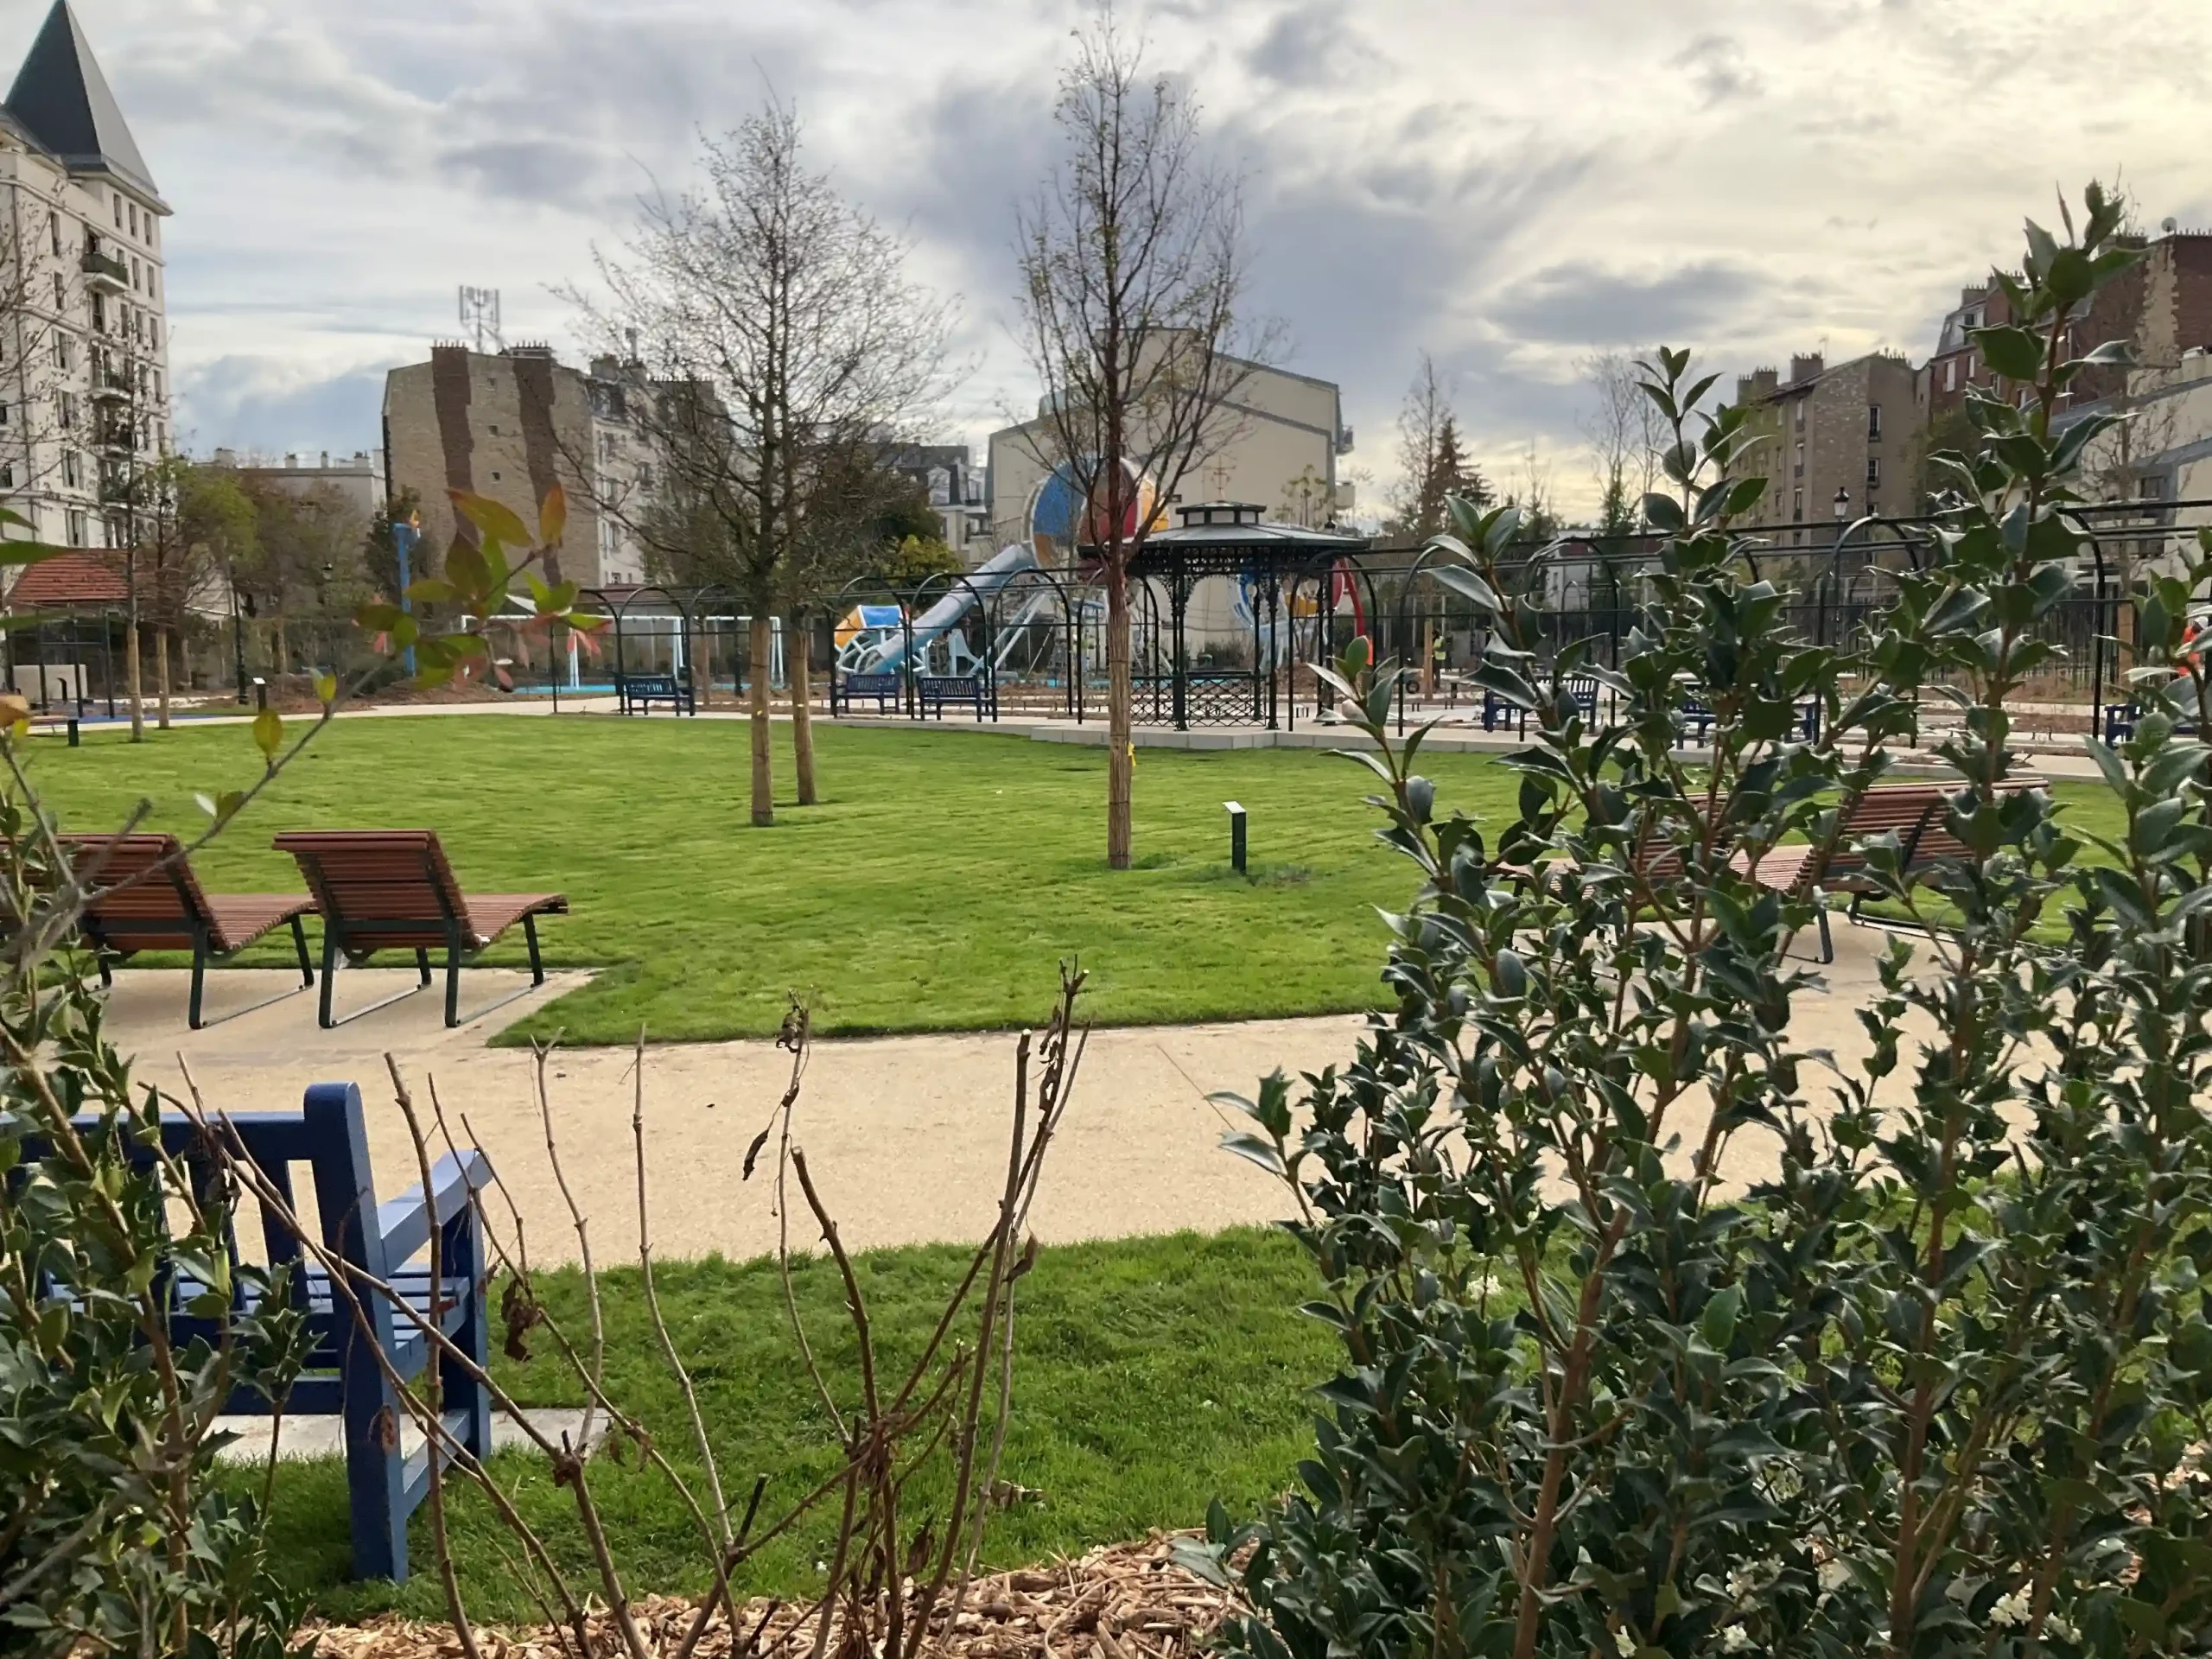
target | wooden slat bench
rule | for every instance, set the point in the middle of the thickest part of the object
(1913, 812)
(393, 889)
(149, 900)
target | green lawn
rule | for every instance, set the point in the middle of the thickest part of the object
(936, 886)
(1154, 1375)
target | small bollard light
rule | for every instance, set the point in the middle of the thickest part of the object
(1236, 835)
(260, 692)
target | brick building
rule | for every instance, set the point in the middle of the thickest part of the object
(2163, 305)
(1837, 443)
(509, 426)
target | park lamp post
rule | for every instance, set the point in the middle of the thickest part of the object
(1842, 505)
(1237, 816)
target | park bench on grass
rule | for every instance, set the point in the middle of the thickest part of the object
(342, 1376)
(147, 898)
(886, 688)
(638, 692)
(1913, 812)
(393, 889)
(938, 689)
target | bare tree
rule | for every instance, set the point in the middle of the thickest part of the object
(1627, 438)
(1433, 461)
(1132, 271)
(774, 334)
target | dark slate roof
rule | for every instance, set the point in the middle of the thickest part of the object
(62, 101)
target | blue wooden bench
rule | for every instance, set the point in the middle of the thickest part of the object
(342, 1378)
(638, 692)
(974, 689)
(886, 688)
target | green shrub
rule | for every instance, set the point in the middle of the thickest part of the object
(1938, 1385)
(113, 1537)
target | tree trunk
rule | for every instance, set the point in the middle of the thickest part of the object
(763, 783)
(161, 673)
(133, 678)
(796, 640)
(1121, 755)
(283, 654)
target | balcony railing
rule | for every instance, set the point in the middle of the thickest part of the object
(101, 270)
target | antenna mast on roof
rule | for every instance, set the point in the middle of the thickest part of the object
(479, 317)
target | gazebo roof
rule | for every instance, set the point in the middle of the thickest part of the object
(1226, 538)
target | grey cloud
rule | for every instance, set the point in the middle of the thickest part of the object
(1717, 67)
(254, 403)
(1306, 45)
(1580, 305)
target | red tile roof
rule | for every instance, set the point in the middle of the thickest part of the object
(77, 579)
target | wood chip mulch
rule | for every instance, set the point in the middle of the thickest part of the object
(1121, 1601)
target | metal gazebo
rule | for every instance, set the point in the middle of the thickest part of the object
(1271, 563)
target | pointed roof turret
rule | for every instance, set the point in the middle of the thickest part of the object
(62, 99)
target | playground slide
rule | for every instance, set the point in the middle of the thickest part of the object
(981, 583)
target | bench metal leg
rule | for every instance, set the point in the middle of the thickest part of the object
(452, 980)
(300, 945)
(330, 976)
(537, 978)
(199, 975)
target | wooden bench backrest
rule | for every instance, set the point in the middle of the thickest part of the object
(155, 898)
(380, 876)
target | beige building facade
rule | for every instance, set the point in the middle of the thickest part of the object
(1835, 444)
(83, 329)
(510, 425)
(1275, 443)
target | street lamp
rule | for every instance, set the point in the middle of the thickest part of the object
(1842, 505)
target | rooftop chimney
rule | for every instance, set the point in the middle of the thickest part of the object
(1805, 368)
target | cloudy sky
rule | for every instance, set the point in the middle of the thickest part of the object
(1510, 184)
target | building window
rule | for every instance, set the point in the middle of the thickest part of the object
(68, 403)
(60, 294)
(1797, 505)
(1951, 374)
(62, 356)
(134, 218)
(1873, 423)
(7, 474)
(1800, 411)
(1799, 472)
(118, 211)
(1873, 472)
(79, 536)
(1971, 359)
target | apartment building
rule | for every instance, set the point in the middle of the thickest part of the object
(358, 479)
(1834, 443)
(958, 491)
(1279, 436)
(84, 332)
(510, 425)
(2162, 305)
